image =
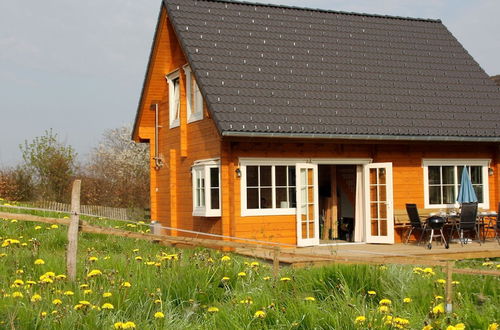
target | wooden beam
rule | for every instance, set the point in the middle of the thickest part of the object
(71, 253)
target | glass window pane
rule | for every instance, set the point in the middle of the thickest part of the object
(381, 176)
(266, 199)
(214, 177)
(280, 175)
(252, 198)
(449, 195)
(478, 189)
(435, 195)
(252, 176)
(281, 198)
(448, 174)
(373, 176)
(214, 199)
(265, 176)
(291, 175)
(476, 174)
(292, 197)
(434, 174)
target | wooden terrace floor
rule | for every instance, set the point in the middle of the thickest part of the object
(378, 253)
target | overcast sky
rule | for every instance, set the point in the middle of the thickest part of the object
(78, 66)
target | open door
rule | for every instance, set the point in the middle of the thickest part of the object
(379, 211)
(307, 205)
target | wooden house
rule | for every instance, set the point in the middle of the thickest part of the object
(307, 126)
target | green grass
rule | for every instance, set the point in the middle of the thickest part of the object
(187, 282)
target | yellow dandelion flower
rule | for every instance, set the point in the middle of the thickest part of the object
(126, 285)
(93, 259)
(46, 280)
(407, 300)
(107, 306)
(493, 326)
(17, 294)
(159, 315)
(225, 278)
(68, 293)
(43, 314)
(57, 302)
(84, 302)
(87, 291)
(36, 297)
(138, 258)
(242, 274)
(39, 262)
(129, 325)
(285, 279)
(212, 309)
(438, 298)
(438, 309)
(13, 220)
(19, 272)
(360, 320)
(455, 282)
(427, 327)
(441, 281)
(309, 299)
(94, 273)
(385, 301)
(78, 307)
(372, 293)
(118, 325)
(17, 283)
(54, 226)
(157, 301)
(61, 277)
(38, 227)
(488, 263)
(383, 309)
(150, 263)
(266, 278)
(107, 294)
(259, 314)
(460, 326)
(225, 258)
(254, 264)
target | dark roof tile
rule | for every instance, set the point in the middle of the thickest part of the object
(267, 68)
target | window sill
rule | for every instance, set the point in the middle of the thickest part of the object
(206, 213)
(264, 212)
(194, 118)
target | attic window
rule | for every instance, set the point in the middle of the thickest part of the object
(174, 98)
(193, 96)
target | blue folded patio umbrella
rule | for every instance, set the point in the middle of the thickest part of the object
(466, 193)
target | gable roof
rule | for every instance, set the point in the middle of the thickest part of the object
(268, 70)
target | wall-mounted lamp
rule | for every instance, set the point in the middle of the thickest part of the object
(490, 171)
(238, 173)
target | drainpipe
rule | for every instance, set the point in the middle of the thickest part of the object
(157, 158)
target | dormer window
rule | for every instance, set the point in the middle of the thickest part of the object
(174, 98)
(194, 97)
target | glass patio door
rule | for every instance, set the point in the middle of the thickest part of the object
(307, 204)
(379, 211)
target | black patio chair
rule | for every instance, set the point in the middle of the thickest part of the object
(468, 222)
(415, 222)
(495, 226)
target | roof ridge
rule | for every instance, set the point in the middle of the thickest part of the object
(260, 4)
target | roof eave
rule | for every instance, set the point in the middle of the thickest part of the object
(361, 137)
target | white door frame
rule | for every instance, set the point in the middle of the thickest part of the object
(301, 198)
(388, 238)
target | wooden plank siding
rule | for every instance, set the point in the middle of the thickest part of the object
(171, 187)
(408, 176)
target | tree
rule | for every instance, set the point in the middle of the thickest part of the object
(16, 184)
(118, 171)
(52, 164)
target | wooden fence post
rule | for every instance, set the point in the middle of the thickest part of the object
(449, 286)
(276, 261)
(73, 230)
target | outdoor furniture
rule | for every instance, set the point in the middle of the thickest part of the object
(415, 222)
(468, 222)
(493, 224)
(436, 223)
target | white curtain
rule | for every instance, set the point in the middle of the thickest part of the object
(359, 226)
(176, 99)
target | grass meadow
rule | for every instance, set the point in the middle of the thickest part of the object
(124, 283)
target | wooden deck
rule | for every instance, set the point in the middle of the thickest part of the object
(378, 253)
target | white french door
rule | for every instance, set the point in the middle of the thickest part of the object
(379, 211)
(307, 204)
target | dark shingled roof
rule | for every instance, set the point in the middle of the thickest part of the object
(270, 70)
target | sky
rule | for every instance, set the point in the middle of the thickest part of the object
(78, 66)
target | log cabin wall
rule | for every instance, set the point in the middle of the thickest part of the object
(407, 175)
(179, 147)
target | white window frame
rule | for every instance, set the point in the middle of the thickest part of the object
(174, 111)
(245, 212)
(203, 167)
(484, 163)
(194, 99)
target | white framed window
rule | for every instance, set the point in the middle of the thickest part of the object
(442, 181)
(174, 103)
(206, 188)
(193, 97)
(268, 188)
